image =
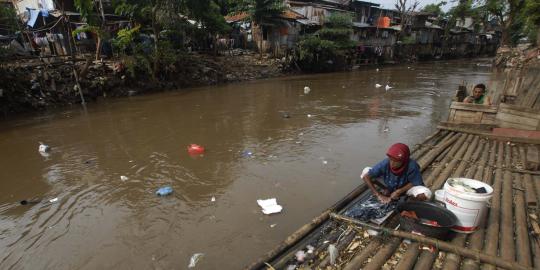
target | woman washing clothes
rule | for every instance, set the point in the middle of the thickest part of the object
(398, 171)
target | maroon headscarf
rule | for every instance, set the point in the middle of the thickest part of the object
(400, 152)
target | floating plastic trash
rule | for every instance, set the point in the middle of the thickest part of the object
(270, 206)
(307, 90)
(25, 202)
(53, 200)
(378, 85)
(195, 149)
(43, 148)
(124, 178)
(213, 199)
(247, 153)
(195, 259)
(388, 87)
(164, 191)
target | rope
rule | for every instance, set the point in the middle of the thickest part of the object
(45, 29)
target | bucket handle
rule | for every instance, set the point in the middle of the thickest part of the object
(439, 203)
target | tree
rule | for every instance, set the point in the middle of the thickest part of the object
(405, 9)
(531, 19)
(8, 18)
(169, 16)
(507, 13)
(95, 22)
(435, 9)
(327, 49)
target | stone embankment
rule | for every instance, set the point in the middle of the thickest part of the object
(39, 84)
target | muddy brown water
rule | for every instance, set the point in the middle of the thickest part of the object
(307, 163)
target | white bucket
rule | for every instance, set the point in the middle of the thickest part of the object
(469, 207)
(439, 195)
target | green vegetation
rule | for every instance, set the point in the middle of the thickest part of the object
(329, 48)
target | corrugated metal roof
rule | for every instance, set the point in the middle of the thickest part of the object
(288, 14)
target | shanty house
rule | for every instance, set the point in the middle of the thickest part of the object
(276, 37)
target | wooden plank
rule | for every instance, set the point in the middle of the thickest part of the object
(520, 113)
(473, 107)
(488, 118)
(512, 118)
(452, 115)
(478, 117)
(504, 106)
(516, 126)
(466, 117)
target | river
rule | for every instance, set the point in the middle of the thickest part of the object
(308, 161)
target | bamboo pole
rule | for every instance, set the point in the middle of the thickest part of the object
(479, 151)
(462, 165)
(492, 232)
(507, 156)
(536, 184)
(443, 155)
(437, 150)
(418, 148)
(439, 181)
(306, 229)
(522, 234)
(452, 260)
(476, 240)
(522, 156)
(507, 226)
(359, 259)
(530, 196)
(469, 253)
(536, 252)
(433, 175)
(380, 258)
(409, 258)
(426, 260)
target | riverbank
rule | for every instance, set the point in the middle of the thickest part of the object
(39, 84)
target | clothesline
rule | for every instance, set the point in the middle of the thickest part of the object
(45, 29)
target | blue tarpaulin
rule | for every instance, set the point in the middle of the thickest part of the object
(34, 14)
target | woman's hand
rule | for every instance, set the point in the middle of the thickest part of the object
(395, 195)
(383, 199)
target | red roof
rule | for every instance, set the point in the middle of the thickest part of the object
(288, 14)
(237, 17)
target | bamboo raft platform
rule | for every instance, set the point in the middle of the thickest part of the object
(508, 238)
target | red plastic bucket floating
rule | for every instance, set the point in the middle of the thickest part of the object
(195, 149)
